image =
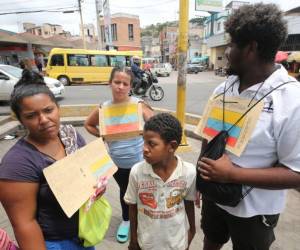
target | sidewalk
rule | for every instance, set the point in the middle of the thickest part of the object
(287, 232)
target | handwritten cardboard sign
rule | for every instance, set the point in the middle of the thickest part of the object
(72, 178)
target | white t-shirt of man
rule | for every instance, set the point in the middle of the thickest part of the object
(162, 220)
(274, 139)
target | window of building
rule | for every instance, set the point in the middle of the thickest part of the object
(114, 36)
(57, 60)
(130, 32)
(78, 60)
(99, 60)
(218, 26)
(39, 32)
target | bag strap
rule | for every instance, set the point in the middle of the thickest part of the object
(259, 100)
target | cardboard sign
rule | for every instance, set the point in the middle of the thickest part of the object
(212, 121)
(121, 121)
(72, 178)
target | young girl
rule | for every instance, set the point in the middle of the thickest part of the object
(125, 153)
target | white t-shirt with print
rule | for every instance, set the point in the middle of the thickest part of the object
(162, 220)
(276, 138)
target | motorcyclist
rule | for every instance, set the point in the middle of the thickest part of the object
(138, 73)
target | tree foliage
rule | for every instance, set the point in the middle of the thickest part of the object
(154, 29)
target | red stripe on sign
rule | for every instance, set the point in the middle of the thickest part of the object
(231, 141)
(210, 131)
(122, 128)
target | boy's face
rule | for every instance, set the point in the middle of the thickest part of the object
(156, 150)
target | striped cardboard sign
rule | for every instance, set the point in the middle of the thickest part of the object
(121, 121)
(212, 121)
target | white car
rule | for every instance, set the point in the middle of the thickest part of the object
(162, 69)
(10, 75)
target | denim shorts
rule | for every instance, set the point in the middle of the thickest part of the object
(65, 245)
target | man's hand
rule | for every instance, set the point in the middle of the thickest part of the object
(133, 245)
(216, 170)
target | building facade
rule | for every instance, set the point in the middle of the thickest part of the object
(125, 31)
(168, 44)
(293, 21)
(196, 33)
(45, 30)
(215, 37)
(89, 32)
(151, 47)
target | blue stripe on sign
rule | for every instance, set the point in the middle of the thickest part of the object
(123, 119)
(218, 125)
(103, 169)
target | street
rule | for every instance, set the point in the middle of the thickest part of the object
(199, 87)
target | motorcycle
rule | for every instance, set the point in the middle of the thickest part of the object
(149, 87)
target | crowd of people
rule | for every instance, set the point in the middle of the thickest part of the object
(158, 190)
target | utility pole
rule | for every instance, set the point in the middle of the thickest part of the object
(81, 21)
(182, 54)
(98, 11)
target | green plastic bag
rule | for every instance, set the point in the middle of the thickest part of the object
(94, 223)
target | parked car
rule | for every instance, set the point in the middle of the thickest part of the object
(162, 69)
(10, 75)
(194, 68)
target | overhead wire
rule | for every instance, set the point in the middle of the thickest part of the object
(36, 11)
(36, 7)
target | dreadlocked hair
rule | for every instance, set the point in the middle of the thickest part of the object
(262, 23)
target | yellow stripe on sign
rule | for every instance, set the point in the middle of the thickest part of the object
(230, 116)
(96, 165)
(120, 110)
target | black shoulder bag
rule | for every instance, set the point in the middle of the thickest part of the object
(227, 194)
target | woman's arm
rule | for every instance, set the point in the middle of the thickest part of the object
(19, 200)
(92, 122)
(147, 111)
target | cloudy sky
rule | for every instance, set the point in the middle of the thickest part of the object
(149, 11)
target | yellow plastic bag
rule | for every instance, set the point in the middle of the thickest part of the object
(94, 223)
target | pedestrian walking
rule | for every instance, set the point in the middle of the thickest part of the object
(124, 152)
(270, 162)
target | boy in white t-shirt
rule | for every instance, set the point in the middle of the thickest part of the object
(161, 190)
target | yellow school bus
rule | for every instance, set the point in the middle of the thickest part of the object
(86, 66)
